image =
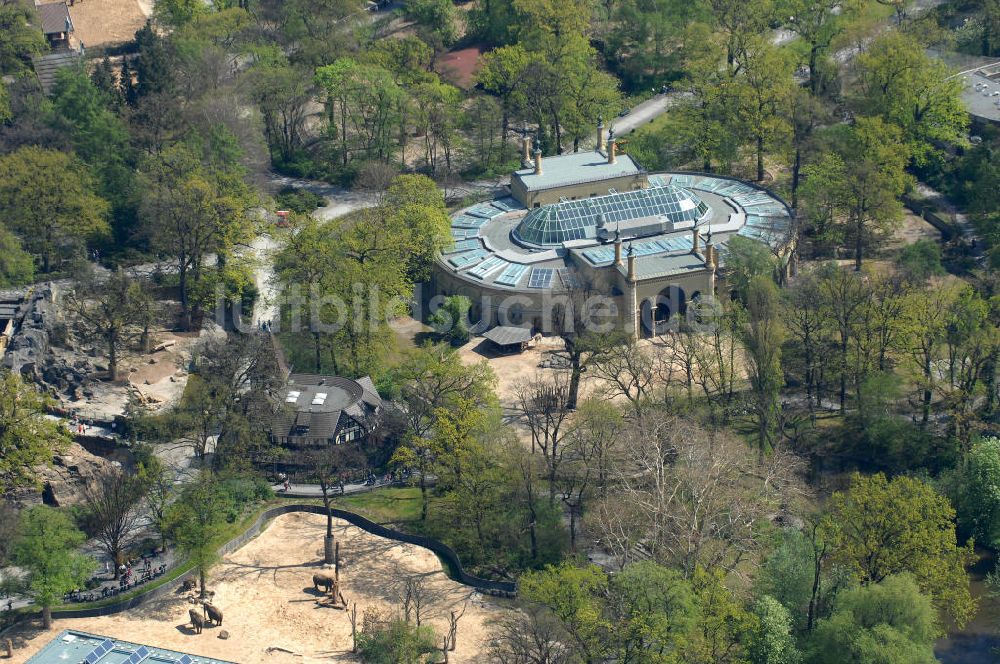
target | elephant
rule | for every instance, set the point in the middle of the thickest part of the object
(328, 581)
(197, 622)
(213, 615)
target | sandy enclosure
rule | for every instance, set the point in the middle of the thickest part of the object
(270, 608)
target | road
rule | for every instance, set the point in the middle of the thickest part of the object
(643, 113)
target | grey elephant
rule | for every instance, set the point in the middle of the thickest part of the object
(197, 622)
(328, 581)
(213, 614)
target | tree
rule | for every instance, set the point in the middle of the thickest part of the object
(694, 498)
(818, 24)
(573, 594)
(435, 21)
(900, 83)
(529, 636)
(544, 405)
(866, 194)
(975, 491)
(195, 520)
(114, 511)
(47, 549)
(763, 97)
(888, 623)
(747, 259)
(115, 310)
(158, 480)
(190, 211)
(763, 336)
(281, 92)
(19, 40)
(882, 527)
(771, 642)
(27, 437)
(502, 74)
(326, 463)
(55, 216)
(16, 265)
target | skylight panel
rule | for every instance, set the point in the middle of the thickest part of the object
(511, 275)
(541, 277)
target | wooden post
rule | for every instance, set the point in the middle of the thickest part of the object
(444, 649)
(354, 628)
(9, 647)
(336, 560)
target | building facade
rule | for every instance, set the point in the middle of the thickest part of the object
(633, 249)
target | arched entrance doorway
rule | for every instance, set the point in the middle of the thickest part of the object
(657, 313)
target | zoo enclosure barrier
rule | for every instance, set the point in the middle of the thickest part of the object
(487, 586)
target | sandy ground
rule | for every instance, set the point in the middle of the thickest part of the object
(103, 22)
(160, 376)
(266, 594)
(912, 229)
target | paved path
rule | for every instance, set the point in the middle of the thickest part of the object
(644, 113)
(313, 490)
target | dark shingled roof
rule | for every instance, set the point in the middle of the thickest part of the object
(322, 405)
(54, 18)
(507, 335)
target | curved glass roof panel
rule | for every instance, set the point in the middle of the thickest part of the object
(552, 225)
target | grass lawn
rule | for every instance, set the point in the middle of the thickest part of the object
(389, 505)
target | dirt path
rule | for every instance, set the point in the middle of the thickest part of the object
(266, 593)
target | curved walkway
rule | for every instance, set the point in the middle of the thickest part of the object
(448, 557)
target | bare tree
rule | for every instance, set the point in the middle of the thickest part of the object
(416, 597)
(695, 497)
(114, 310)
(326, 463)
(586, 467)
(114, 507)
(544, 405)
(453, 619)
(630, 371)
(533, 636)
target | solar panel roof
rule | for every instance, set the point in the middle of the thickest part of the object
(488, 267)
(541, 277)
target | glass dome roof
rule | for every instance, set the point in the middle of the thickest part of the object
(555, 224)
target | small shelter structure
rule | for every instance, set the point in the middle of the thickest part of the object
(509, 339)
(56, 24)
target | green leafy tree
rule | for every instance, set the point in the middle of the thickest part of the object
(574, 594)
(451, 320)
(882, 527)
(899, 82)
(27, 437)
(16, 265)
(19, 39)
(888, 623)
(56, 215)
(771, 642)
(195, 519)
(47, 548)
(396, 642)
(921, 260)
(975, 487)
(763, 91)
(762, 336)
(859, 187)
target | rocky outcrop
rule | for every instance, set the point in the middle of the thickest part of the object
(63, 482)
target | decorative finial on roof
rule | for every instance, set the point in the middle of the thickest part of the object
(631, 251)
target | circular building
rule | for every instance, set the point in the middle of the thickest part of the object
(566, 237)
